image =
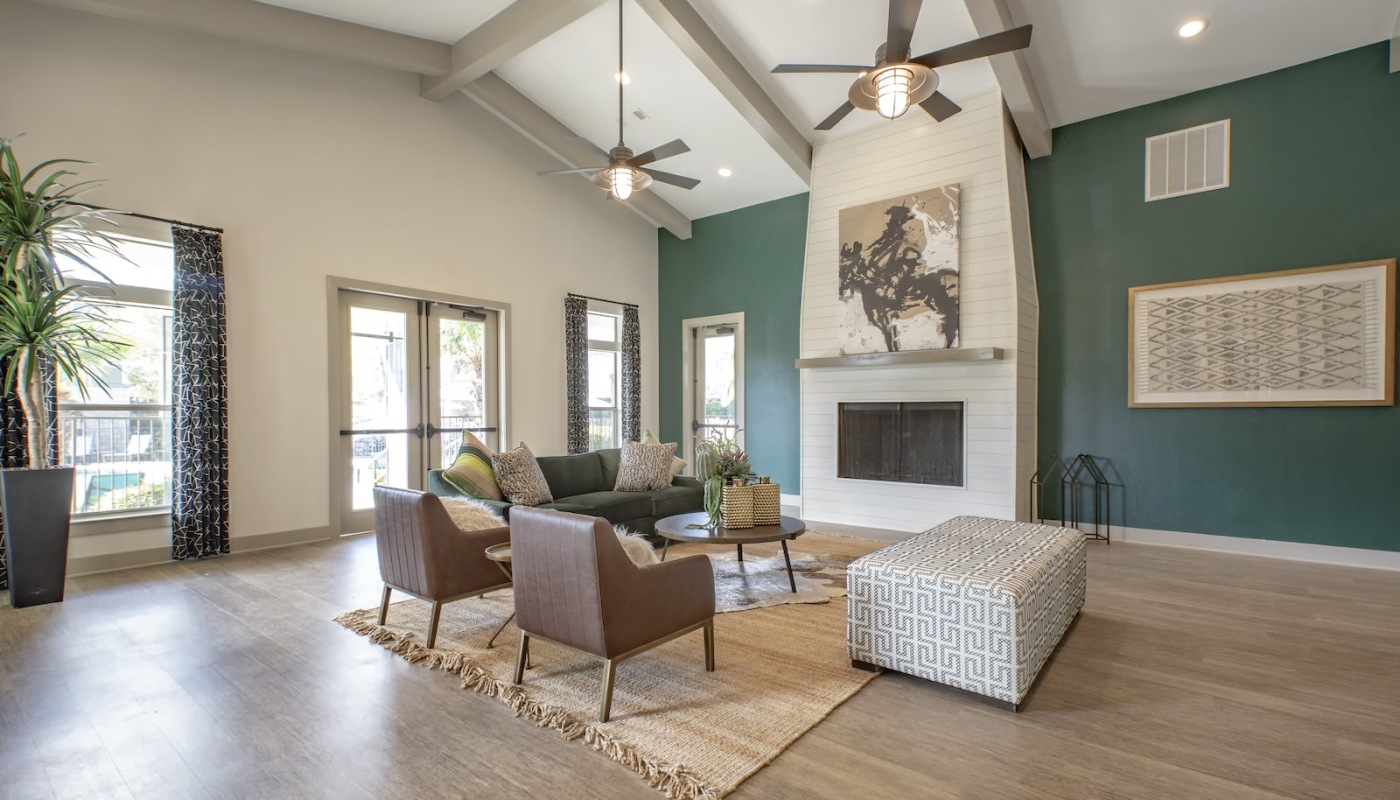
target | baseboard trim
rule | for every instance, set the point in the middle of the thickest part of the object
(1264, 548)
(149, 557)
(794, 500)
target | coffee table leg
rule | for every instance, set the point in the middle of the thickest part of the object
(741, 553)
(665, 546)
(792, 582)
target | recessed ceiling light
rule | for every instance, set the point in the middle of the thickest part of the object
(725, 172)
(1191, 28)
(623, 78)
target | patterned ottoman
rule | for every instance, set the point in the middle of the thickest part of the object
(974, 603)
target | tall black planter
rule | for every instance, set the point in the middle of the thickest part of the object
(36, 504)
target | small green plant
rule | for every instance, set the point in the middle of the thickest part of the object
(45, 326)
(718, 461)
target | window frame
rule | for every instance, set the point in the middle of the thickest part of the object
(134, 519)
(614, 347)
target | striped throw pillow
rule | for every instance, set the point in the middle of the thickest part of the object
(472, 473)
(645, 467)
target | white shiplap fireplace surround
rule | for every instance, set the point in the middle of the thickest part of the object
(979, 150)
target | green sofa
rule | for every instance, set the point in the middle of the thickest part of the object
(583, 484)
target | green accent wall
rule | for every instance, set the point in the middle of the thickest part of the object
(1315, 180)
(748, 260)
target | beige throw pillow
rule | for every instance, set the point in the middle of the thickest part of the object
(519, 476)
(677, 464)
(645, 467)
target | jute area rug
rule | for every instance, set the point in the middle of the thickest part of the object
(779, 671)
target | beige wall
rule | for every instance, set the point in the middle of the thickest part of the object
(317, 167)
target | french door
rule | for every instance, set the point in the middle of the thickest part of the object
(717, 393)
(414, 376)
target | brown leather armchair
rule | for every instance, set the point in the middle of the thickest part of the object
(576, 587)
(423, 553)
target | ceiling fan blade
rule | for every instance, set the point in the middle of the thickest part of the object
(836, 116)
(940, 106)
(668, 150)
(570, 171)
(904, 15)
(674, 180)
(1004, 42)
(818, 68)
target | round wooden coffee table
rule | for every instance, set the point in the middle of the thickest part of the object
(674, 529)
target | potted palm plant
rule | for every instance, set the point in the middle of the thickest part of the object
(47, 330)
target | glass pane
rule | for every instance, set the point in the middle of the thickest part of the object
(140, 370)
(602, 429)
(602, 378)
(379, 400)
(602, 327)
(149, 265)
(462, 382)
(120, 456)
(719, 407)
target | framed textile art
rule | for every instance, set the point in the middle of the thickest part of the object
(1323, 336)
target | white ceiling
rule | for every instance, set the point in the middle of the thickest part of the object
(1088, 58)
(1094, 57)
(570, 74)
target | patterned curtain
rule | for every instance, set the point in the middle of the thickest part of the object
(631, 375)
(576, 371)
(199, 505)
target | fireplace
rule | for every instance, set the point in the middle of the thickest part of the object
(901, 442)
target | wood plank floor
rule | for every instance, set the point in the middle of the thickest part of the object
(1188, 675)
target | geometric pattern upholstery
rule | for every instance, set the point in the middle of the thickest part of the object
(974, 603)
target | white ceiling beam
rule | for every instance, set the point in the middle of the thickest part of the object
(1395, 47)
(1013, 73)
(703, 47)
(555, 138)
(258, 23)
(517, 28)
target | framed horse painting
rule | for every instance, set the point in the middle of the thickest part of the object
(898, 272)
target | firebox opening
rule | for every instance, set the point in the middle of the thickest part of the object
(901, 442)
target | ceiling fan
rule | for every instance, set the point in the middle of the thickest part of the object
(626, 172)
(897, 81)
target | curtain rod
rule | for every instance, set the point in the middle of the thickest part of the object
(603, 300)
(151, 218)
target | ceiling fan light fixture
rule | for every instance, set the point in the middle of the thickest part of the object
(1192, 28)
(892, 91)
(621, 182)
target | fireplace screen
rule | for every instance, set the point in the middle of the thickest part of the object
(903, 442)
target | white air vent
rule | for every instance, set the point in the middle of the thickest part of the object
(1189, 161)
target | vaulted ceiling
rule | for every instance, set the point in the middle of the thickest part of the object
(701, 69)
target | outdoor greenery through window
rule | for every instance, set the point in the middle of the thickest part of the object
(604, 384)
(118, 440)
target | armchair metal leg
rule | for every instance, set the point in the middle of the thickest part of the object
(710, 646)
(609, 677)
(384, 604)
(522, 655)
(433, 624)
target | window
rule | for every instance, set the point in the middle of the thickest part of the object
(604, 380)
(118, 440)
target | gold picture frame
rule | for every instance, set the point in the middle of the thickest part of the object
(1320, 336)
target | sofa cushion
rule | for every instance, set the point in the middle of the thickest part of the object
(472, 472)
(571, 475)
(612, 506)
(677, 499)
(645, 467)
(612, 462)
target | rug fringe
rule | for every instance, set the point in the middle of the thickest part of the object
(674, 780)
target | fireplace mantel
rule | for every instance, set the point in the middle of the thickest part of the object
(908, 358)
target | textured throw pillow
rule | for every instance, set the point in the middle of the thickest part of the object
(638, 550)
(677, 464)
(519, 476)
(470, 515)
(472, 472)
(645, 467)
